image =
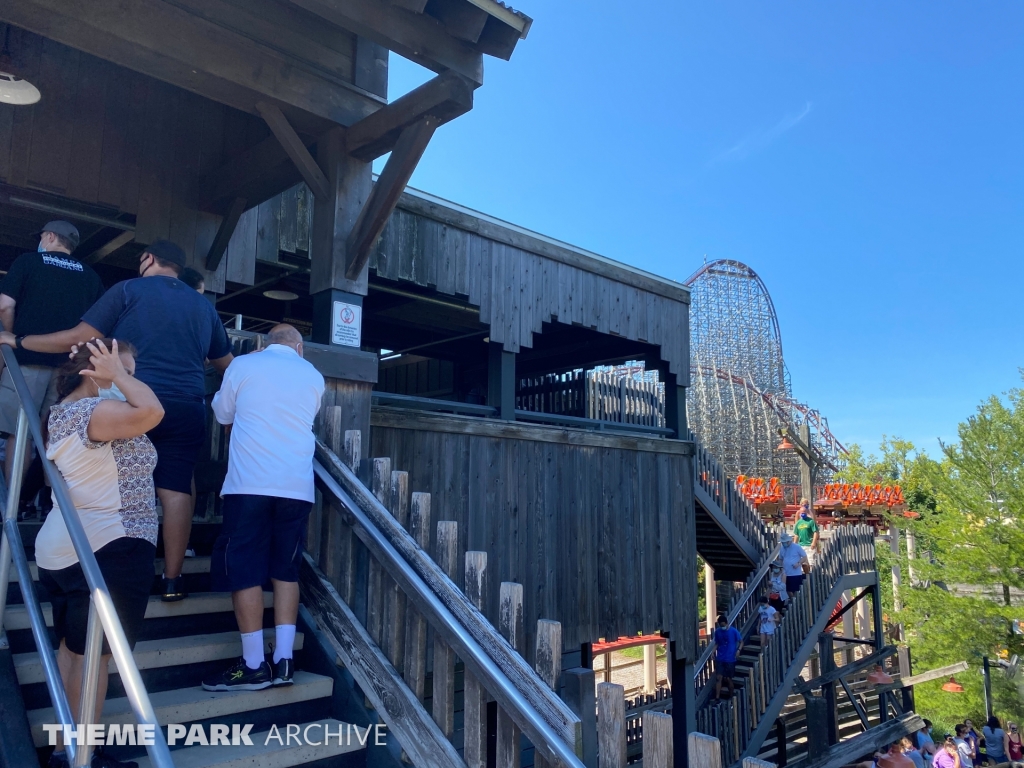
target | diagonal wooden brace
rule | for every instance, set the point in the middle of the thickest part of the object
(295, 148)
(385, 193)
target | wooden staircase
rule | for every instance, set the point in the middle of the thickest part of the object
(765, 676)
(180, 644)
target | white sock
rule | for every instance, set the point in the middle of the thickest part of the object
(252, 649)
(285, 641)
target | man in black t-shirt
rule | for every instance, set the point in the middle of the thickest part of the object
(175, 330)
(45, 291)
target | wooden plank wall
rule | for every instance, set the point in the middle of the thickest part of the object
(518, 290)
(112, 137)
(599, 529)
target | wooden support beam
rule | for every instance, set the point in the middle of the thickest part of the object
(445, 97)
(109, 247)
(257, 173)
(385, 194)
(866, 743)
(415, 6)
(224, 232)
(172, 44)
(848, 669)
(926, 677)
(294, 148)
(462, 20)
(416, 37)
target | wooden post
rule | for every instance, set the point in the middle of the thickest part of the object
(863, 620)
(510, 625)
(848, 629)
(548, 663)
(353, 445)
(710, 598)
(380, 485)
(650, 668)
(753, 762)
(394, 598)
(444, 656)
(658, 748)
(684, 704)
(501, 381)
(806, 469)
(416, 627)
(826, 657)
(611, 726)
(818, 715)
(475, 697)
(578, 693)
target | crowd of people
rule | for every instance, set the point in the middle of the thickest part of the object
(118, 378)
(964, 748)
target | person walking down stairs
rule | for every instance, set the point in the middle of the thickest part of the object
(270, 399)
(728, 642)
(794, 563)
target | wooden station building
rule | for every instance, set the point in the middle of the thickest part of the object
(470, 352)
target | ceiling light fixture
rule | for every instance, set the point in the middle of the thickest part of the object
(281, 295)
(14, 89)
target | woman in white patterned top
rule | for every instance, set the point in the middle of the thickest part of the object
(97, 438)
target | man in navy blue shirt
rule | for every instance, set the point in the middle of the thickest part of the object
(728, 642)
(175, 330)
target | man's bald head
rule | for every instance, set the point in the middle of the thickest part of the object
(287, 335)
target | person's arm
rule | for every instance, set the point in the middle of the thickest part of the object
(220, 364)
(7, 311)
(112, 419)
(816, 539)
(224, 401)
(1006, 744)
(61, 341)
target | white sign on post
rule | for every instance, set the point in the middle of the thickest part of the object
(347, 324)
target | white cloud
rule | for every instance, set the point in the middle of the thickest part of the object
(761, 138)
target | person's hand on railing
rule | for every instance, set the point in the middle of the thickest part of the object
(6, 337)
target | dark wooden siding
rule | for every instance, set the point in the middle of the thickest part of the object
(519, 289)
(598, 529)
(111, 137)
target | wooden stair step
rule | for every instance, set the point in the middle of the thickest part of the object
(192, 565)
(16, 616)
(165, 652)
(188, 705)
(266, 754)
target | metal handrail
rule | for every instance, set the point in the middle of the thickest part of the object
(460, 637)
(102, 614)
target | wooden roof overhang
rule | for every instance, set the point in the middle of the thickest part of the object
(278, 59)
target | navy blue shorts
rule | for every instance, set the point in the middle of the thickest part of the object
(726, 669)
(793, 583)
(261, 539)
(178, 440)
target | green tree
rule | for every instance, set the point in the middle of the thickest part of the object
(970, 555)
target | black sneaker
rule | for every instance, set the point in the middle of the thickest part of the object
(240, 678)
(102, 760)
(174, 589)
(284, 670)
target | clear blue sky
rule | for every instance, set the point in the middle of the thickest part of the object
(867, 159)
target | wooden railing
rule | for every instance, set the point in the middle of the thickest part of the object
(596, 395)
(377, 607)
(710, 476)
(849, 550)
(742, 614)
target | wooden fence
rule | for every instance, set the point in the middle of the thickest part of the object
(598, 395)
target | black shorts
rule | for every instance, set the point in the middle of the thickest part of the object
(261, 539)
(793, 583)
(127, 568)
(178, 440)
(726, 668)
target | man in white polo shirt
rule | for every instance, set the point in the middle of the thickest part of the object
(270, 398)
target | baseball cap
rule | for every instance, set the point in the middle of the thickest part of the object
(63, 228)
(165, 250)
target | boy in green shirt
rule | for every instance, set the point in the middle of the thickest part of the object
(806, 530)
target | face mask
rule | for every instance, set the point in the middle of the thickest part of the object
(111, 393)
(41, 248)
(804, 515)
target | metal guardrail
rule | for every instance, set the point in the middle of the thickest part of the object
(102, 616)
